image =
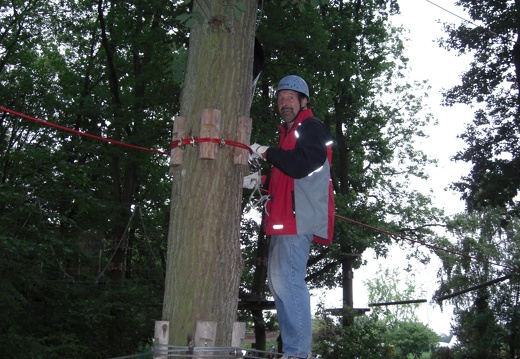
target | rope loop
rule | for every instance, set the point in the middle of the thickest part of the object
(181, 144)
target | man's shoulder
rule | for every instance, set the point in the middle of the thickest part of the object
(313, 124)
(311, 119)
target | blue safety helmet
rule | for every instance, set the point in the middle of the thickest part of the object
(294, 83)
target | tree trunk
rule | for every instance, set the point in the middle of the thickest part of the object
(204, 262)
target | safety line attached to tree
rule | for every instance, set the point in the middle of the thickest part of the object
(63, 128)
(181, 143)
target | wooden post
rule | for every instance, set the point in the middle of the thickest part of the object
(179, 131)
(238, 335)
(241, 156)
(205, 334)
(160, 339)
(209, 128)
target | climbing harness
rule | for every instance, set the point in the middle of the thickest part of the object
(256, 166)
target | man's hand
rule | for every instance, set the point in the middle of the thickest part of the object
(259, 149)
(252, 180)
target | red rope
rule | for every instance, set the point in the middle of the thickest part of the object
(181, 142)
(50, 124)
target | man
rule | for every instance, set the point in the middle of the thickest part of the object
(299, 210)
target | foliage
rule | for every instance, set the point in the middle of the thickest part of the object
(388, 331)
(350, 55)
(442, 353)
(66, 201)
(411, 339)
(486, 313)
(363, 339)
(386, 287)
(491, 84)
(53, 311)
(403, 329)
(487, 317)
(371, 338)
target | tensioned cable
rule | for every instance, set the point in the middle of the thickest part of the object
(452, 13)
(431, 246)
(123, 236)
(460, 17)
(177, 143)
(84, 134)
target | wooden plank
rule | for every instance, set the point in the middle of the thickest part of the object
(241, 155)
(238, 335)
(160, 339)
(209, 128)
(179, 131)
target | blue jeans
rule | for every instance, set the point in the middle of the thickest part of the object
(287, 268)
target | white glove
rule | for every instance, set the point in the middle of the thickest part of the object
(252, 180)
(259, 150)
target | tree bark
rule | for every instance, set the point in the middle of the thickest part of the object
(204, 262)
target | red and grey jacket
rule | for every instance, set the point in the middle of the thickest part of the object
(301, 199)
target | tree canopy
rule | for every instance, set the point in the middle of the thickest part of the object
(483, 286)
(491, 85)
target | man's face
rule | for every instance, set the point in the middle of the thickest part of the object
(289, 104)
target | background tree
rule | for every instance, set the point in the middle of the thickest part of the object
(491, 84)
(486, 318)
(411, 339)
(391, 331)
(363, 339)
(404, 331)
(488, 231)
(350, 54)
(69, 205)
(387, 287)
